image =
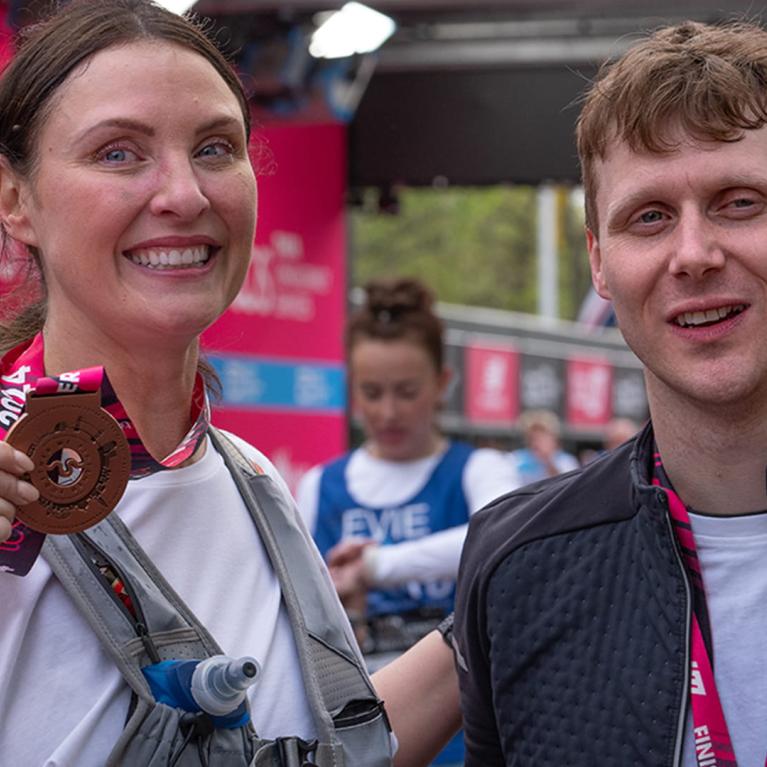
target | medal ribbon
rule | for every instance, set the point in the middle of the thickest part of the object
(713, 746)
(21, 372)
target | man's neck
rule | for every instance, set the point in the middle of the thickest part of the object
(716, 458)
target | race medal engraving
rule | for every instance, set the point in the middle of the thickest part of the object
(82, 461)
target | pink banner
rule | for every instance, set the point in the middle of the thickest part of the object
(589, 389)
(293, 442)
(16, 289)
(279, 348)
(6, 36)
(293, 301)
(492, 384)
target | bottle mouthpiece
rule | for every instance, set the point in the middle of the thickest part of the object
(219, 684)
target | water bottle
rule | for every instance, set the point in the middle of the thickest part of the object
(216, 686)
(219, 684)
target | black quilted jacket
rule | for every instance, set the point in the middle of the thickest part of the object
(572, 622)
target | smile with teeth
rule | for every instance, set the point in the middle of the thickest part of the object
(707, 317)
(171, 258)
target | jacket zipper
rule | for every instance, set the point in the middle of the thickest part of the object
(86, 546)
(682, 723)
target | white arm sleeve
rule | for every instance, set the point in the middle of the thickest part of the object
(487, 475)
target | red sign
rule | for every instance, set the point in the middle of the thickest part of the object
(492, 383)
(589, 388)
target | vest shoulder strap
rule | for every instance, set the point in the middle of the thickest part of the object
(349, 719)
(334, 671)
(162, 628)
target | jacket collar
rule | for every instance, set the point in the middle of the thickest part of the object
(644, 492)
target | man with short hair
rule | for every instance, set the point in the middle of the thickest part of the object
(615, 616)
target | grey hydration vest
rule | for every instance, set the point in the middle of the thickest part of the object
(351, 725)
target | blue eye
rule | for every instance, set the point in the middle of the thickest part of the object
(117, 155)
(651, 217)
(216, 149)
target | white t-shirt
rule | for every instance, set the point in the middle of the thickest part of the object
(376, 483)
(62, 701)
(732, 552)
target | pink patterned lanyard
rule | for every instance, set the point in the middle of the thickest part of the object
(21, 371)
(713, 746)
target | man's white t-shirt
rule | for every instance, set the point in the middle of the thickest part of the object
(733, 555)
(62, 701)
(377, 483)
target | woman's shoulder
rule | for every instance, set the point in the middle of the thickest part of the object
(251, 452)
(257, 459)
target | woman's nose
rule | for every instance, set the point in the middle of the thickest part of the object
(179, 192)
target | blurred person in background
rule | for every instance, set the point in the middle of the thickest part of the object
(618, 431)
(391, 516)
(542, 456)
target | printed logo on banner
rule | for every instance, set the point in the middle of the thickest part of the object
(492, 393)
(589, 390)
(280, 283)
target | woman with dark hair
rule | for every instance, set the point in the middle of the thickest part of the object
(125, 174)
(392, 514)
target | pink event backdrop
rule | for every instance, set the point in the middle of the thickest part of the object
(279, 348)
(6, 36)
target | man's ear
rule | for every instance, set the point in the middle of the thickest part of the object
(14, 193)
(595, 261)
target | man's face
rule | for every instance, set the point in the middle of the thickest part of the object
(681, 250)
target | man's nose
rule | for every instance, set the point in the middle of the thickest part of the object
(697, 249)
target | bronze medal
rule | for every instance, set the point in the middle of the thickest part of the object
(82, 461)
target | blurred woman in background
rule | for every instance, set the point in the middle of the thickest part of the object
(391, 516)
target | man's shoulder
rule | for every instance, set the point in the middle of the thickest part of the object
(596, 494)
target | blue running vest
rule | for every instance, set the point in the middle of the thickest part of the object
(439, 504)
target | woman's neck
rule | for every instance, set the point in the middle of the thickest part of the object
(154, 387)
(433, 446)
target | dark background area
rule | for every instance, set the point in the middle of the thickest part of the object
(467, 92)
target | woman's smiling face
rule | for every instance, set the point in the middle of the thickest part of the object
(142, 197)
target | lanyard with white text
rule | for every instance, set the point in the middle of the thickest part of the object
(713, 746)
(22, 375)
